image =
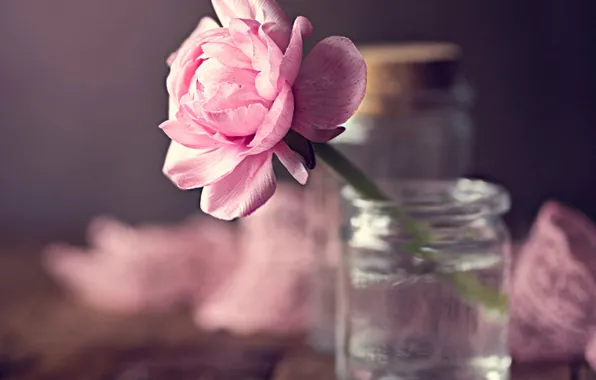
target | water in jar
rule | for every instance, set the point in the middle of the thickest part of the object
(401, 321)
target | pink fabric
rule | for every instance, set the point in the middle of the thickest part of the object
(553, 292)
(128, 270)
(237, 90)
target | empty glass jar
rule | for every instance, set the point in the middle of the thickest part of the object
(399, 317)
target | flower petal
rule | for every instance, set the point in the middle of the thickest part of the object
(212, 74)
(331, 84)
(276, 124)
(265, 55)
(187, 136)
(268, 80)
(227, 55)
(279, 33)
(316, 134)
(209, 122)
(192, 168)
(242, 191)
(292, 161)
(172, 108)
(232, 95)
(241, 121)
(261, 10)
(303, 147)
(206, 23)
(186, 63)
(180, 78)
(290, 64)
(245, 36)
(188, 116)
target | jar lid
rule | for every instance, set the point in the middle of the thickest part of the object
(396, 72)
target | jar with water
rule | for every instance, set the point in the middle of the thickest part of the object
(402, 317)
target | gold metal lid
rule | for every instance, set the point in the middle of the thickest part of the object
(396, 72)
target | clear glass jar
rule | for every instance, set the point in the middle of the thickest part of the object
(397, 317)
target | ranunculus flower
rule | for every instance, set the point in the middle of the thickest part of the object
(237, 90)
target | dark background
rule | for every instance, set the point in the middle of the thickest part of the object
(82, 93)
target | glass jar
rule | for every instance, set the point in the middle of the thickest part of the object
(398, 317)
(430, 139)
(414, 123)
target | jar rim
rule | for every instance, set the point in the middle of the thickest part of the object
(461, 198)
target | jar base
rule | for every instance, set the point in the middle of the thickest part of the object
(487, 368)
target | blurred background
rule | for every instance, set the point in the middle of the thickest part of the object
(82, 93)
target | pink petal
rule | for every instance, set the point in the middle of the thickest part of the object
(215, 123)
(194, 47)
(192, 113)
(227, 10)
(279, 33)
(268, 64)
(189, 113)
(292, 161)
(227, 55)
(290, 64)
(242, 191)
(109, 235)
(193, 168)
(172, 108)
(232, 95)
(206, 23)
(261, 10)
(331, 84)
(269, 11)
(264, 54)
(212, 74)
(276, 123)
(186, 63)
(64, 261)
(264, 87)
(316, 134)
(182, 134)
(241, 121)
(180, 78)
(269, 53)
(244, 34)
(303, 147)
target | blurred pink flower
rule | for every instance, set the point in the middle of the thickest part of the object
(251, 278)
(236, 91)
(553, 289)
(129, 269)
(269, 291)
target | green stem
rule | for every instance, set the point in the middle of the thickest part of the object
(465, 283)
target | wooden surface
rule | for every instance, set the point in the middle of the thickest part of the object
(44, 335)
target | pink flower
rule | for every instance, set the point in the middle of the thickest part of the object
(237, 91)
(269, 290)
(133, 269)
(553, 288)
